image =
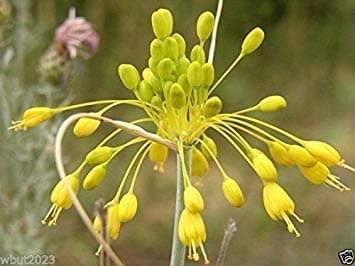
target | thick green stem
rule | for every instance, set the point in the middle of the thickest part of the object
(178, 249)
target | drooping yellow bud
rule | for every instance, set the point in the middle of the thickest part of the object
(192, 233)
(113, 224)
(95, 177)
(156, 49)
(60, 195)
(323, 152)
(145, 91)
(181, 43)
(162, 23)
(279, 205)
(183, 65)
(177, 97)
(129, 76)
(195, 74)
(252, 41)
(212, 107)
(280, 154)
(193, 200)
(232, 192)
(198, 54)
(183, 81)
(317, 174)
(158, 153)
(208, 72)
(113, 221)
(205, 25)
(209, 146)
(263, 166)
(301, 156)
(85, 127)
(171, 48)
(128, 207)
(272, 103)
(167, 69)
(99, 155)
(36, 115)
(199, 165)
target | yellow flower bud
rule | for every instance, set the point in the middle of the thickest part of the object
(152, 80)
(158, 153)
(95, 177)
(205, 25)
(34, 116)
(199, 165)
(208, 72)
(162, 23)
(280, 154)
(181, 43)
(195, 74)
(183, 65)
(97, 224)
(177, 97)
(85, 127)
(157, 101)
(128, 207)
(184, 82)
(192, 233)
(279, 205)
(198, 54)
(272, 103)
(301, 156)
(209, 146)
(317, 174)
(212, 107)
(99, 155)
(156, 49)
(323, 152)
(60, 195)
(153, 65)
(145, 91)
(171, 48)
(129, 76)
(232, 192)
(252, 41)
(113, 221)
(263, 166)
(193, 200)
(167, 69)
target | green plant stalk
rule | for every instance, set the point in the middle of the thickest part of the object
(178, 249)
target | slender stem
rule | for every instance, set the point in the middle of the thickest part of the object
(214, 33)
(178, 249)
(225, 74)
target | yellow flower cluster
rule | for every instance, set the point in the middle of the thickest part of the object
(175, 90)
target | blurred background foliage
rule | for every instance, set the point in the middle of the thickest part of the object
(308, 56)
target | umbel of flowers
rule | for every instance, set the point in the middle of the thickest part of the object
(176, 92)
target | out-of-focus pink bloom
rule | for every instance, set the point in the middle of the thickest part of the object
(76, 34)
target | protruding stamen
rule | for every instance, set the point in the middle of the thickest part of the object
(346, 166)
(55, 216)
(49, 213)
(17, 126)
(300, 220)
(189, 256)
(204, 253)
(98, 252)
(333, 181)
(195, 255)
(290, 226)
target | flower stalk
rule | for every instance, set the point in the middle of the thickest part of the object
(178, 249)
